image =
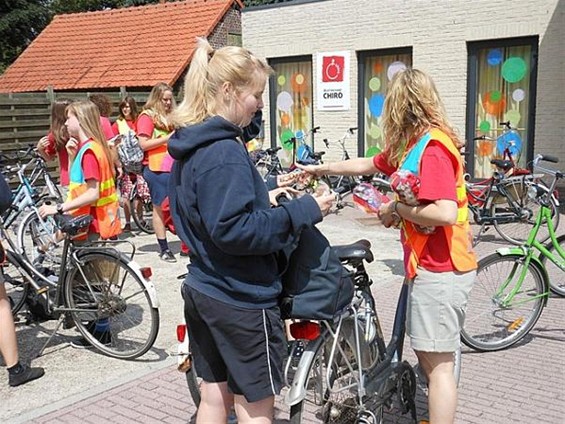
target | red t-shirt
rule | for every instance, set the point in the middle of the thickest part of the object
(437, 182)
(107, 128)
(91, 171)
(63, 157)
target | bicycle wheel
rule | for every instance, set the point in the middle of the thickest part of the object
(555, 274)
(517, 232)
(111, 306)
(332, 382)
(36, 240)
(492, 323)
(142, 214)
(15, 282)
(193, 381)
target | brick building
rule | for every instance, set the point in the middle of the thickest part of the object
(492, 61)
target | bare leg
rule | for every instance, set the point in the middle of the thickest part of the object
(158, 223)
(127, 213)
(8, 342)
(215, 403)
(260, 412)
(442, 389)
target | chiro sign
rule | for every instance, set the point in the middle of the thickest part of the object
(332, 91)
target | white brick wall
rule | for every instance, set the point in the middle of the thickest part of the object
(437, 31)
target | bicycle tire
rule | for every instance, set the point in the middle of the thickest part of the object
(489, 326)
(554, 273)
(517, 232)
(334, 403)
(35, 234)
(118, 298)
(193, 382)
(143, 219)
(15, 282)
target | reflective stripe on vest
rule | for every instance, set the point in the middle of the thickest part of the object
(459, 236)
(105, 209)
(123, 127)
(158, 158)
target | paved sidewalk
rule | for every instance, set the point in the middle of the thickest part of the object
(524, 384)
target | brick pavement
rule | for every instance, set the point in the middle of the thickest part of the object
(521, 385)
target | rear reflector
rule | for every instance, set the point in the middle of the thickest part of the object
(181, 332)
(305, 330)
(146, 272)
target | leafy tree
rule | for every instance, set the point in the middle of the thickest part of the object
(20, 22)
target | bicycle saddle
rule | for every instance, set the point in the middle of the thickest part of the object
(361, 249)
(71, 225)
(505, 165)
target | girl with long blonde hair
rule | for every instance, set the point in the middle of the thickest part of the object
(422, 147)
(221, 209)
(154, 130)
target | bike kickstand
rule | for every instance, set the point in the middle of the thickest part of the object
(59, 322)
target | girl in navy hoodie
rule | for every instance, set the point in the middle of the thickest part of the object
(222, 210)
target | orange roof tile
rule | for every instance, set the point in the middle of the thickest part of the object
(132, 47)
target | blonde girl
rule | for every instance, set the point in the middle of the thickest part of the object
(440, 266)
(154, 130)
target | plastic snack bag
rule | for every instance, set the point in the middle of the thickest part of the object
(407, 186)
(368, 198)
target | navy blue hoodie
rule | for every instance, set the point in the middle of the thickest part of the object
(220, 208)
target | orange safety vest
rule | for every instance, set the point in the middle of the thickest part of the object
(459, 236)
(123, 127)
(105, 209)
(158, 158)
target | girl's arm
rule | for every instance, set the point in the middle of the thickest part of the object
(357, 166)
(438, 213)
(90, 196)
(147, 143)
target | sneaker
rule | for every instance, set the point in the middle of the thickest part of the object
(127, 228)
(27, 374)
(167, 256)
(104, 337)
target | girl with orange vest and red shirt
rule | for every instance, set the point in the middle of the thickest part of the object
(92, 189)
(440, 264)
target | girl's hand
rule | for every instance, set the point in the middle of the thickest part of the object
(43, 142)
(47, 210)
(325, 202)
(72, 146)
(387, 215)
(315, 170)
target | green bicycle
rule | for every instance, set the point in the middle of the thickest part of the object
(514, 283)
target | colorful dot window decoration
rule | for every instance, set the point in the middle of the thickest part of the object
(379, 70)
(502, 95)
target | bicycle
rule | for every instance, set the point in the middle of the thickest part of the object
(344, 357)
(513, 284)
(96, 283)
(267, 162)
(503, 202)
(342, 184)
(141, 207)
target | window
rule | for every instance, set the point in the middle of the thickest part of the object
(376, 69)
(501, 87)
(290, 91)
(234, 39)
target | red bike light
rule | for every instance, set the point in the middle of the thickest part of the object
(146, 272)
(305, 330)
(181, 332)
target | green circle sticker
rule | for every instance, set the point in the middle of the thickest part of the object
(372, 151)
(484, 126)
(495, 95)
(281, 80)
(375, 131)
(375, 84)
(286, 136)
(514, 69)
(513, 116)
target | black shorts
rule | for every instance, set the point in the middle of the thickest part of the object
(243, 347)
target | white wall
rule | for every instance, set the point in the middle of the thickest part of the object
(437, 31)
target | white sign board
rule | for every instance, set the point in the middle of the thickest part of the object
(332, 78)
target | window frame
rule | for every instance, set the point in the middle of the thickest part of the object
(361, 58)
(473, 48)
